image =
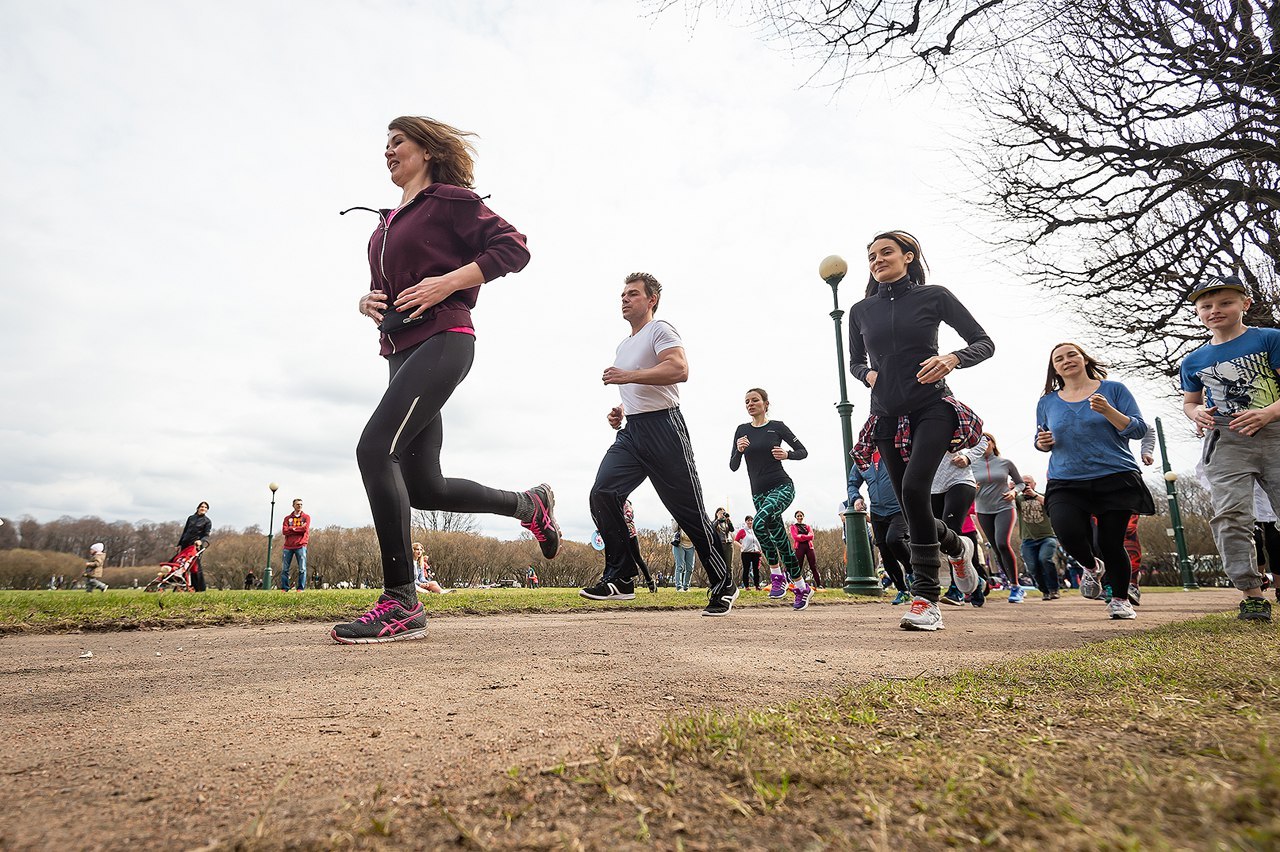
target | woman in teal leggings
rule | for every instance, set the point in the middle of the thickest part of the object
(772, 491)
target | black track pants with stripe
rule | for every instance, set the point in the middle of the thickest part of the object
(655, 446)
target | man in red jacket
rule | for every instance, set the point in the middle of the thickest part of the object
(297, 528)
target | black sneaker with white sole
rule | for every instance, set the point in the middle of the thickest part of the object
(612, 590)
(721, 605)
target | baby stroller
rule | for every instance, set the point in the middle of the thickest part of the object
(175, 575)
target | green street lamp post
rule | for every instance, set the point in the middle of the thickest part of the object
(1175, 514)
(271, 530)
(860, 576)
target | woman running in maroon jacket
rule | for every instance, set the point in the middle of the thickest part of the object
(428, 258)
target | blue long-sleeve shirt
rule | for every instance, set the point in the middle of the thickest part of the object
(883, 501)
(1085, 444)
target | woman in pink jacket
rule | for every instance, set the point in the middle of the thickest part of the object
(802, 543)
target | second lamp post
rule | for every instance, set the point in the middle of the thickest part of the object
(860, 576)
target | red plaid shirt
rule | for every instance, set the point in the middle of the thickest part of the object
(968, 433)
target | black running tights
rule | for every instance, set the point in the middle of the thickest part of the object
(1075, 533)
(931, 433)
(399, 451)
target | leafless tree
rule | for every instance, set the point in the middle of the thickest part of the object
(436, 521)
(849, 38)
(1130, 147)
(1136, 152)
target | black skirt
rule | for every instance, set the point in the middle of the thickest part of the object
(1115, 492)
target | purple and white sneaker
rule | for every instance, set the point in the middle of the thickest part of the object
(777, 585)
(388, 621)
(543, 525)
(802, 597)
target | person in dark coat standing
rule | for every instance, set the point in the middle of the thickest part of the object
(197, 528)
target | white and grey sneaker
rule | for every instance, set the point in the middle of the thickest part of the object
(1090, 585)
(1117, 608)
(962, 568)
(922, 615)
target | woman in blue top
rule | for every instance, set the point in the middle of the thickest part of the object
(1087, 423)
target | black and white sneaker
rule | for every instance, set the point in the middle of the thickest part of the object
(721, 605)
(613, 590)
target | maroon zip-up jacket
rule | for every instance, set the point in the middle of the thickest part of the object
(441, 229)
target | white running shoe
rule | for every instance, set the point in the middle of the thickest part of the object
(1118, 608)
(1090, 585)
(922, 615)
(962, 567)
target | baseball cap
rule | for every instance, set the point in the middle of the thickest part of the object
(1217, 282)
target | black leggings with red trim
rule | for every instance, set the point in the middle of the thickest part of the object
(399, 451)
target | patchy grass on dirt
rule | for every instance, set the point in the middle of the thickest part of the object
(1157, 740)
(62, 611)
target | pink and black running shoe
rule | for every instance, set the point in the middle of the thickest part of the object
(543, 525)
(388, 621)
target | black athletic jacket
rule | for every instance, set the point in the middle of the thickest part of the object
(197, 528)
(897, 328)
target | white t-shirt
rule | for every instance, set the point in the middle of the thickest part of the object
(639, 352)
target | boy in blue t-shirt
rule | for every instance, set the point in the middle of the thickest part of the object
(1232, 394)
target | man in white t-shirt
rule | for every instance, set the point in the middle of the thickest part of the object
(654, 444)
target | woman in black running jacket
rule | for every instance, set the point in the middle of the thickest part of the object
(893, 347)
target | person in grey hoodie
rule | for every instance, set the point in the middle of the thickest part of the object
(999, 482)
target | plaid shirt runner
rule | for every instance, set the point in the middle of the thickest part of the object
(968, 433)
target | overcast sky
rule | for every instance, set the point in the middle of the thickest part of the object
(178, 307)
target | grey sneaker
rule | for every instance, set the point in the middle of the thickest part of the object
(1090, 587)
(1255, 609)
(388, 621)
(962, 567)
(542, 526)
(1135, 595)
(1117, 608)
(923, 615)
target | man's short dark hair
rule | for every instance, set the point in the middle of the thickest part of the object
(652, 287)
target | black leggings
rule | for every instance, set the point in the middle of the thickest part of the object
(399, 451)
(952, 506)
(997, 527)
(1074, 529)
(750, 569)
(931, 431)
(891, 541)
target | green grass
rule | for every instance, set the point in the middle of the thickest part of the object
(61, 611)
(1157, 740)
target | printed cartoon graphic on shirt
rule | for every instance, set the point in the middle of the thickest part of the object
(1240, 384)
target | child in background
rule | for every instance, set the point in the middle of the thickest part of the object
(1232, 395)
(93, 569)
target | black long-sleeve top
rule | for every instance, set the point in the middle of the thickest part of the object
(764, 472)
(895, 329)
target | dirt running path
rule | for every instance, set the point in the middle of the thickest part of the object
(173, 739)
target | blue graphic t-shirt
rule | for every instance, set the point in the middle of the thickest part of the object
(1238, 375)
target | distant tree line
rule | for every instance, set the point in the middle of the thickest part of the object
(31, 552)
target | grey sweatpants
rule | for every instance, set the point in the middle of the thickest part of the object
(1232, 463)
